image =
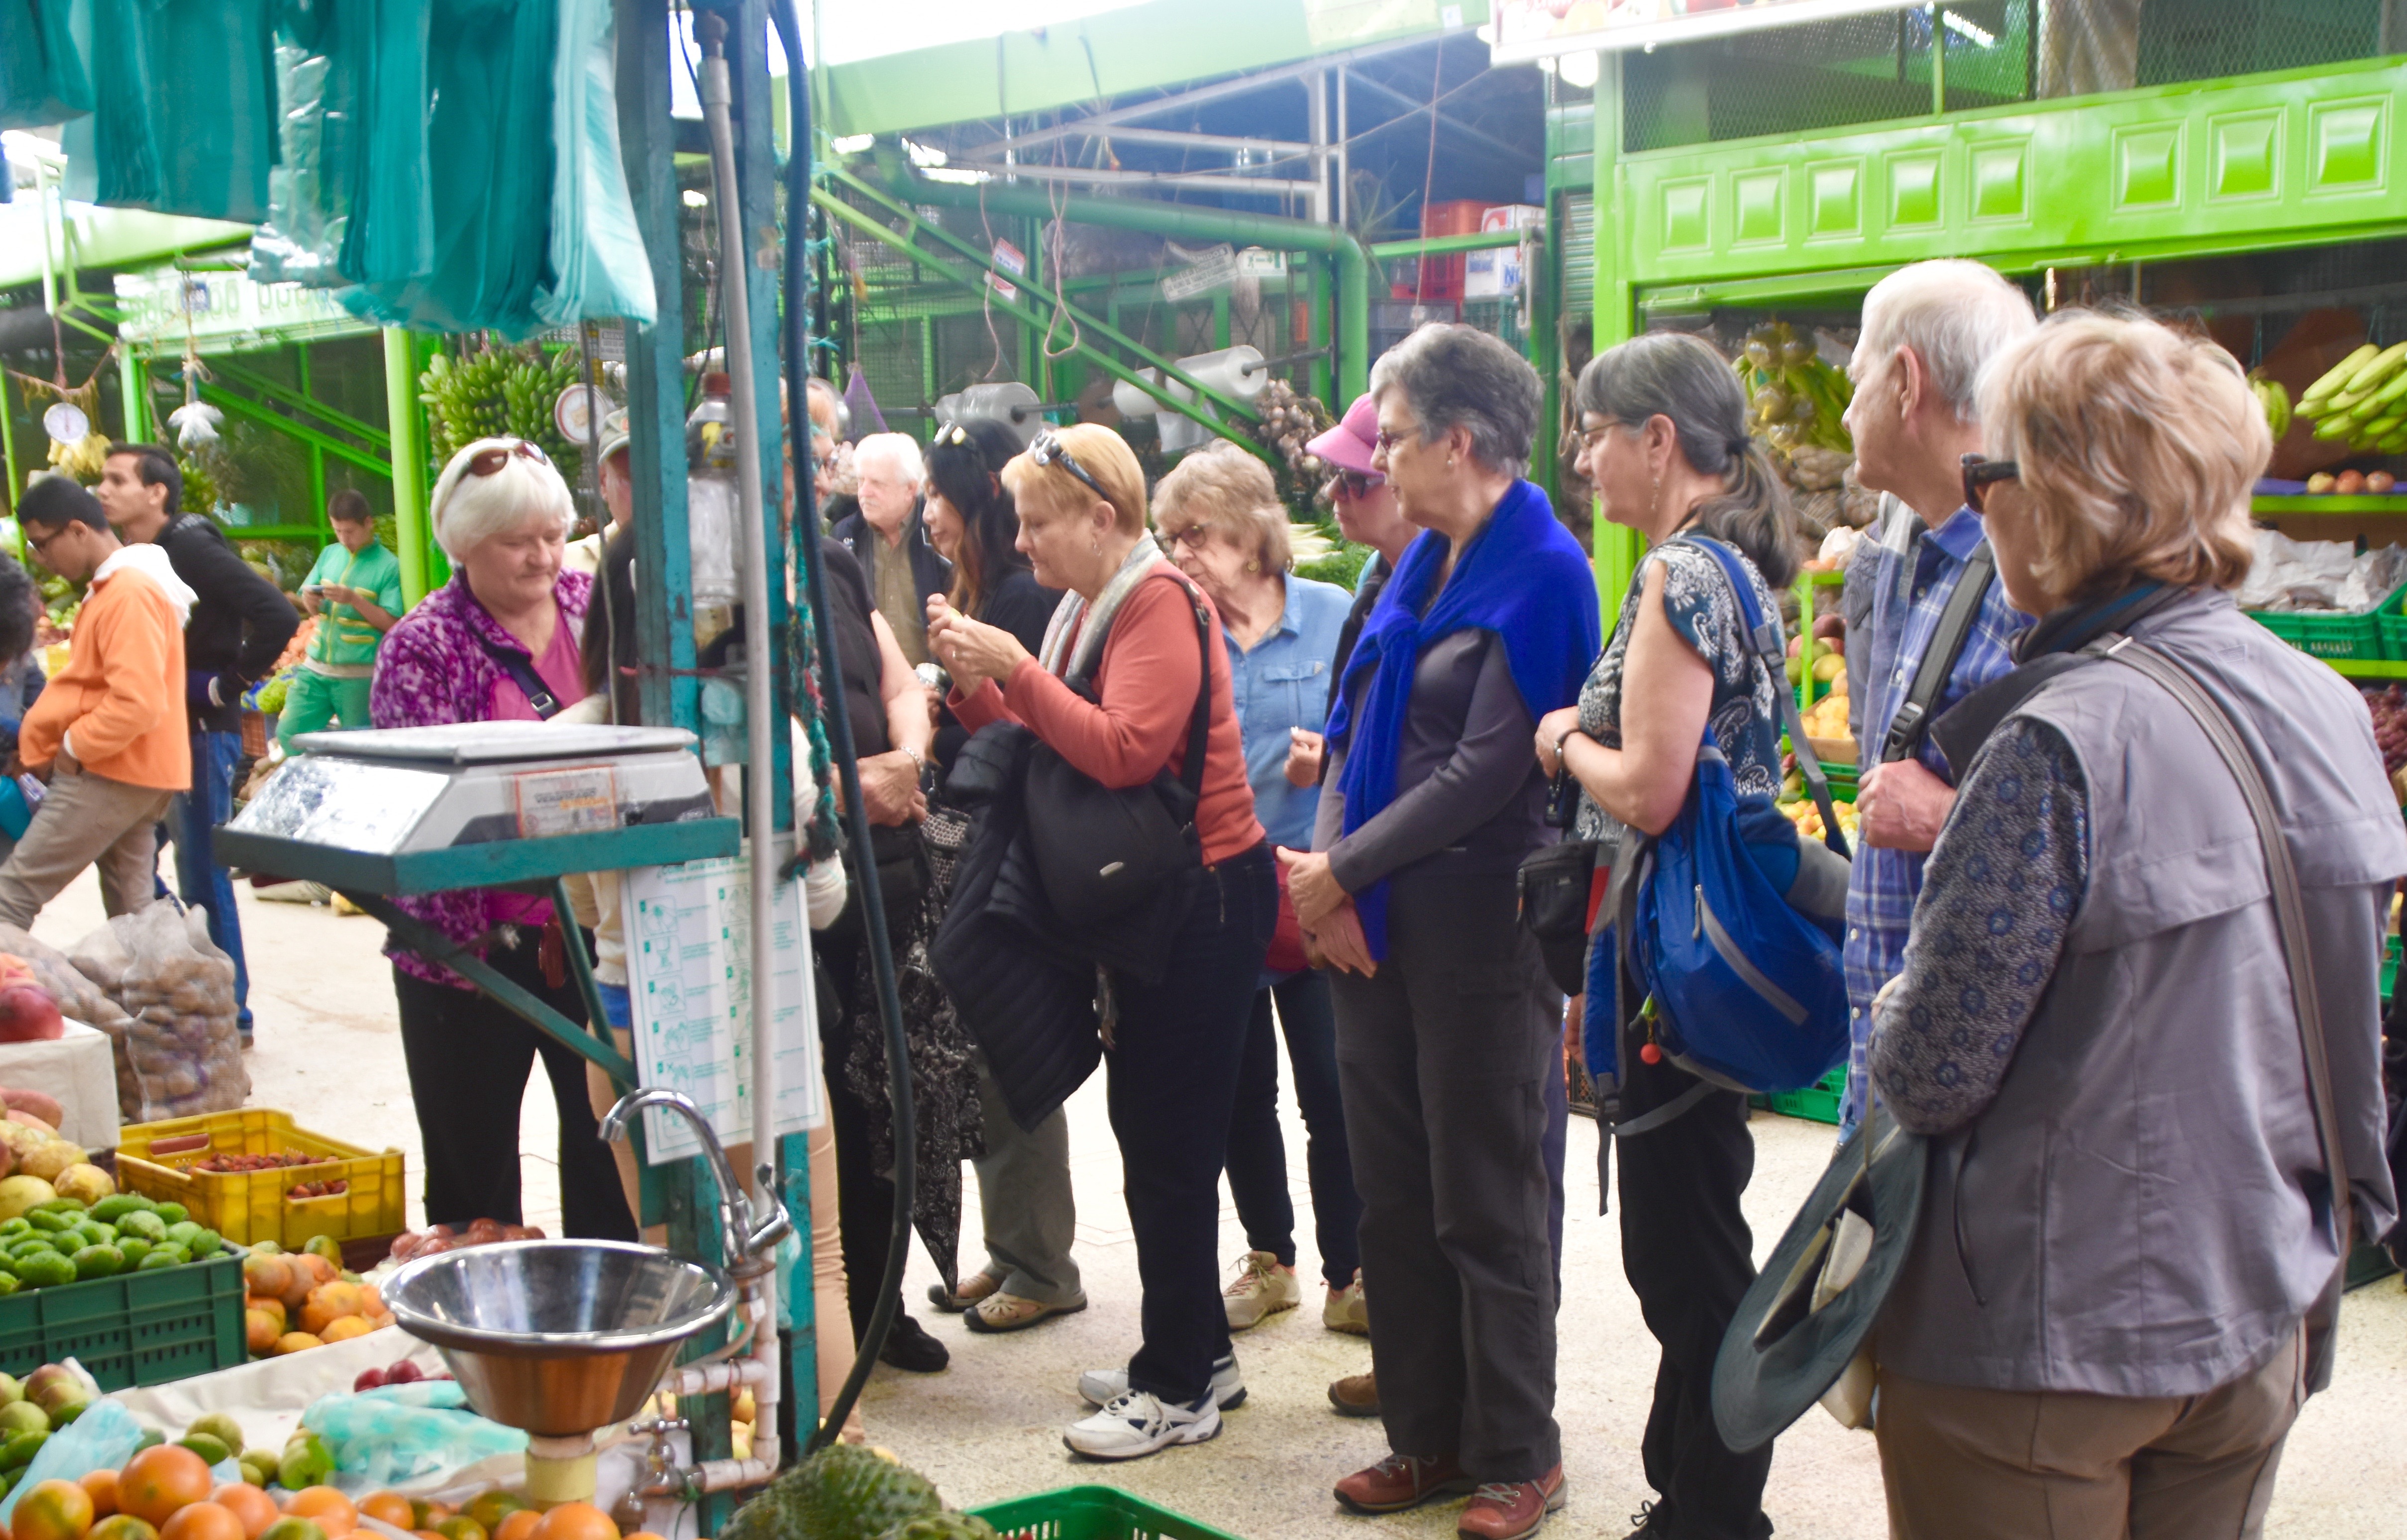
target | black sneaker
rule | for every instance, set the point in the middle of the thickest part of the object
(908, 1346)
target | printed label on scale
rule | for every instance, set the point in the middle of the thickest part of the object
(579, 801)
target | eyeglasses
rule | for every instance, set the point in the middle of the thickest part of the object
(1046, 451)
(1979, 471)
(41, 542)
(1387, 440)
(485, 461)
(1170, 540)
(1355, 483)
(1588, 436)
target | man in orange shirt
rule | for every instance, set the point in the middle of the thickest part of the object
(109, 733)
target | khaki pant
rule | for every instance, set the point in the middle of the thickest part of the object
(86, 819)
(1961, 1464)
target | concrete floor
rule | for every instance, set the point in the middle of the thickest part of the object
(989, 1428)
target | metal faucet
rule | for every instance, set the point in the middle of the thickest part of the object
(745, 1240)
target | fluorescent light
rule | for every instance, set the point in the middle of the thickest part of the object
(924, 156)
(695, 199)
(1968, 30)
(851, 144)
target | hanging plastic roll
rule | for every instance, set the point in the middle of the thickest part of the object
(1236, 372)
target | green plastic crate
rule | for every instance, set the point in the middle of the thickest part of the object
(1091, 1513)
(134, 1329)
(1815, 1104)
(2363, 637)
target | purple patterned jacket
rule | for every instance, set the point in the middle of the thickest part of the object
(431, 670)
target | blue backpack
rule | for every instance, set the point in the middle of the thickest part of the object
(1730, 933)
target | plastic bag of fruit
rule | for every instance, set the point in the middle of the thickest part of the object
(401, 1432)
(182, 1049)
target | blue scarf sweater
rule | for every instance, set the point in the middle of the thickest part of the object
(1523, 577)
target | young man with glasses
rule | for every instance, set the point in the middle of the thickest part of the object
(237, 630)
(109, 732)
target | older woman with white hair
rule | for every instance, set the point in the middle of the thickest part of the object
(499, 642)
(2153, 1097)
(1218, 516)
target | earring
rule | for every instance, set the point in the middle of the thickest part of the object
(1253, 566)
(1654, 504)
(1449, 461)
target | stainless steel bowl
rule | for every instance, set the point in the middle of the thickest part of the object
(557, 1337)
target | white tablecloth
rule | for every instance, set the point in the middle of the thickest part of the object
(77, 1069)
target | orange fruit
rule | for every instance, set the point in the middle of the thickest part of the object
(425, 1535)
(317, 1268)
(344, 1327)
(371, 1303)
(204, 1521)
(519, 1525)
(328, 1303)
(101, 1488)
(576, 1522)
(270, 1306)
(260, 1329)
(331, 1510)
(295, 1342)
(644, 1535)
(267, 1276)
(254, 1507)
(387, 1508)
(161, 1479)
(120, 1526)
(459, 1526)
(54, 1510)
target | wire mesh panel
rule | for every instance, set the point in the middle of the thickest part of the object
(1862, 70)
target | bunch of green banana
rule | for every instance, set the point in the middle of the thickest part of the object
(495, 393)
(1794, 398)
(2362, 399)
(2274, 399)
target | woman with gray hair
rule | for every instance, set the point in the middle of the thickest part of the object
(1217, 515)
(1447, 1026)
(500, 642)
(1664, 442)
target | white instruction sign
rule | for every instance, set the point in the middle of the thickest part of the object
(690, 979)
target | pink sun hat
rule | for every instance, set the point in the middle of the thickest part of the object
(1348, 445)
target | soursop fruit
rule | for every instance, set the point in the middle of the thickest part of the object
(842, 1493)
(948, 1525)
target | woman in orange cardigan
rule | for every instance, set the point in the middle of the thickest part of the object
(1127, 625)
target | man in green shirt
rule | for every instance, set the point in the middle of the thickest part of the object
(355, 592)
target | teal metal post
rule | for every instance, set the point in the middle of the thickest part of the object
(408, 462)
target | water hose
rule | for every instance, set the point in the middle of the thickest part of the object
(840, 744)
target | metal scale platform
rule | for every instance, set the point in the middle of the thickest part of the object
(517, 805)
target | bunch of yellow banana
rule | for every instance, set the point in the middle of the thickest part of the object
(2362, 401)
(1795, 398)
(2274, 399)
(84, 459)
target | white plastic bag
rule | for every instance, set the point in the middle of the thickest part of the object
(184, 1047)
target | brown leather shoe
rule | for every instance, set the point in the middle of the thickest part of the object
(1403, 1481)
(1356, 1395)
(1512, 1510)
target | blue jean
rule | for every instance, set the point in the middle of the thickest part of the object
(191, 817)
(1257, 1150)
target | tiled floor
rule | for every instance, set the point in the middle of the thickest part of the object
(988, 1426)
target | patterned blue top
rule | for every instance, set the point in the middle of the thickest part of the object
(1911, 587)
(1999, 894)
(1283, 683)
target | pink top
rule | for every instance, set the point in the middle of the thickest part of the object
(562, 668)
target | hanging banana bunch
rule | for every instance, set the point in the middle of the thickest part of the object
(2362, 401)
(1795, 398)
(499, 391)
(2273, 400)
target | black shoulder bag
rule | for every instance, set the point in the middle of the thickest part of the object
(1103, 851)
(1912, 719)
(520, 670)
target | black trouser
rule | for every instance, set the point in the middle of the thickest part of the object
(1258, 1150)
(1688, 1255)
(468, 1058)
(1444, 1055)
(1173, 1068)
(864, 1198)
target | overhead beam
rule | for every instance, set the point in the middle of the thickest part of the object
(1414, 110)
(1194, 181)
(1178, 139)
(1196, 96)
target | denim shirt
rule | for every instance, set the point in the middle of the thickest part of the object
(1283, 683)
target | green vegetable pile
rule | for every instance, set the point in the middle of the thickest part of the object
(61, 1241)
(847, 1492)
(499, 391)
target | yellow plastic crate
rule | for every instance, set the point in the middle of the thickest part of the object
(248, 1206)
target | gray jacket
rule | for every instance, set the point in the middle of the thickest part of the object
(2141, 1211)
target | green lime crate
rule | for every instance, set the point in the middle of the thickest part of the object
(2390, 968)
(1815, 1104)
(1091, 1513)
(2364, 637)
(2394, 635)
(134, 1329)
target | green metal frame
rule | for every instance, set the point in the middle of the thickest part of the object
(2286, 158)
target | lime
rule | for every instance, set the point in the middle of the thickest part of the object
(211, 1447)
(136, 1250)
(43, 1268)
(174, 1213)
(164, 1257)
(99, 1261)
(143, 1224)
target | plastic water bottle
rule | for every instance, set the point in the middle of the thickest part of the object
(712, 508)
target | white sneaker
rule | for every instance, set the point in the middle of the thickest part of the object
(1100, 1387)
(1138, 1423)
(1262, 1287)
(1344, 1309)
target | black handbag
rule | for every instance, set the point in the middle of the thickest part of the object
(1103, 852)
(1555, 891)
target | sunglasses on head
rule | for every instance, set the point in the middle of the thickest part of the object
(485, 461)
(1048, 450)
(1356, 483)
(1979, 471)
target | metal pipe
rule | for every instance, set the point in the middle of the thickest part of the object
(408, 467)
(760, 661)
(1190, 222)
(784, 13)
